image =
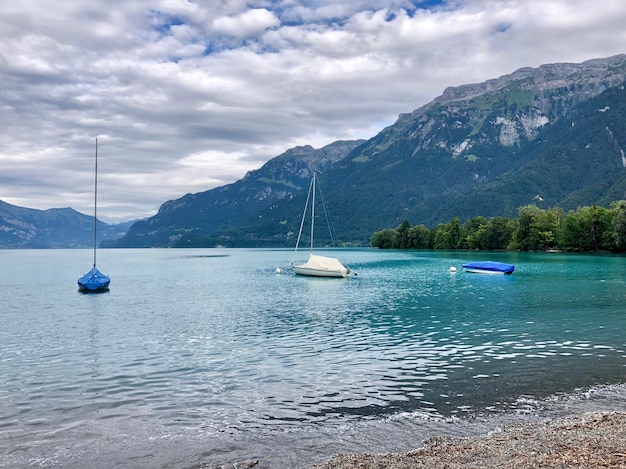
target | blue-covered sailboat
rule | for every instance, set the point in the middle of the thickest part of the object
(489, 267)
(94, 280)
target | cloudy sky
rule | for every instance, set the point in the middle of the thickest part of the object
(188, 95)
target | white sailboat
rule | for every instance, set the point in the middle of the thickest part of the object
(317, 266)
(94, 280)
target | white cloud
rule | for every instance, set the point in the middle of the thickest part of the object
(249, 23)
(187, 96)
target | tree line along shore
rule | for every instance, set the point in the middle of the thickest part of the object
(586, 229)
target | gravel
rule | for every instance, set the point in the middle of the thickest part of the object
(590, 440)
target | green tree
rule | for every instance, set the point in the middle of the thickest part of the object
(498, 233)
(618, 224)
(403, 235)
(448, 235)
(385, 239)
(474, 232)
(456, 233)
(440, 236)
(587, 229)
(420, 237)
(537, 229)
(572, 234)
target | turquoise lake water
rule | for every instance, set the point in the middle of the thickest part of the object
(209, 357)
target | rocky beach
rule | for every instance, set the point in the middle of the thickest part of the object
(589, 440)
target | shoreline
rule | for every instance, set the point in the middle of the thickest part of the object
(590, 440)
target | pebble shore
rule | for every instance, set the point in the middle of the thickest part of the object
(590, 441)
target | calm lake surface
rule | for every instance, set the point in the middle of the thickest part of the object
(208, 357)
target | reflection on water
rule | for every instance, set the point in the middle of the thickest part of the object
(212, 351)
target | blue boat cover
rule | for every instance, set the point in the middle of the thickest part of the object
(94, 280)
(490, 266)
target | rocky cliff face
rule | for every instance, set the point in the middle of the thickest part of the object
(510, 108)
(585, 79)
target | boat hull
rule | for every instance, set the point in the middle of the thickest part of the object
(489, 267)
(483, 271)
(321, 266)
(301, 270)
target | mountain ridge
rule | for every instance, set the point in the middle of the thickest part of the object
(29, 228)
(279, 178)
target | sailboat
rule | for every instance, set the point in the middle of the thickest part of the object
(317, 266)
(94, 280)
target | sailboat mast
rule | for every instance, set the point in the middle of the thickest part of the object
(95, 205)
(313, 212)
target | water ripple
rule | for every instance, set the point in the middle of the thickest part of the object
(253, 351)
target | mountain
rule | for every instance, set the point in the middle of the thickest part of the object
(53, 228)
(553, 135)
(186, 221)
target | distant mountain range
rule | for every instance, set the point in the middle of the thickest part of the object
(29, 228)
(551, 136)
